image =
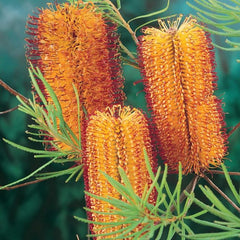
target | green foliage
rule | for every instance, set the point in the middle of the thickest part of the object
(221, 16)
(227, 223)
(110, 11)
(169, 216)
(150, 15)
(50, 128)
(165, 216)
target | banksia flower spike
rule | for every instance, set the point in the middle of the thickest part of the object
(74, 44)
(179, 78)
(115, 138)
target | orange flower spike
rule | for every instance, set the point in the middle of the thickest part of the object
(115, 138)
(178, 67)
(73, 44)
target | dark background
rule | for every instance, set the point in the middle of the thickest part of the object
(45, 210)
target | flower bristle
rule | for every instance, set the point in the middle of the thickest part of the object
(74, 44)
(115, 138)
(178, 67)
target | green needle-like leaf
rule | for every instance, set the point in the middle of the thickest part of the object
(226, 16)
(210, 195)
(152, 14)
(119, 4)
(30, 175)
(36, 87)
(160, 232)
(26, 149)
(227, 214)
(230, 184)
(171, 232)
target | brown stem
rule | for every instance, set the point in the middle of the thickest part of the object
(127, 26)
(221, 193)
(221, 172)
(9, 110)
(125, 49)
(194, 183)
(234, 129)
(23, 184)
(12, 91)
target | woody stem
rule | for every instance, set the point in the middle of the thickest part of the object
(234, 129)
(221, 172)
(221, 193)
(12, 91)
(9, 110)
(127, 26)
(23, 184)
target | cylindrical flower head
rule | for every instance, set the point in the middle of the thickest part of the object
(179, 80)
(115, 138)
(73, 44)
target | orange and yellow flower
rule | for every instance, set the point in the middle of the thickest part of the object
(179, 78)
(74, 44)
(115, 138)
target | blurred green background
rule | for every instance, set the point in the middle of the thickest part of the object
(45, 210)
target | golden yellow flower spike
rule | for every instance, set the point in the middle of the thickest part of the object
(178, 68)
(115, 138)
(73, 44)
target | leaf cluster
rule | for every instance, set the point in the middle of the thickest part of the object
(227, 223)
(49, 128)
(169, 216)
(221, 17)
(166, 216)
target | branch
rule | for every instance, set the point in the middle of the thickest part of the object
(13, 92)
(125, 49)
(234, 129)
(23, 184)
(127, 26)
(9, 110)
(221, 193)
(221, 172)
